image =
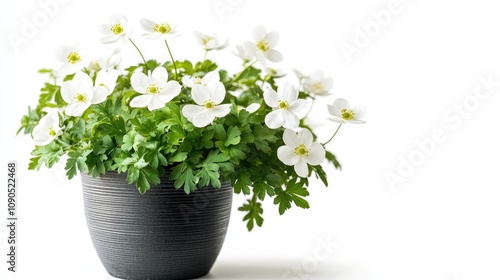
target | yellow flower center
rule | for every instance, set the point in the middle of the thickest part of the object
(52, 132)
(318, 86)
(206, 40)
(301, 150)
(197, 80)
(162, 28)
(80, 97)
(117, 29)
(283, 104)
(263, 46)
(153, 89)
(73, 57)
(209, 104)
(347, 114)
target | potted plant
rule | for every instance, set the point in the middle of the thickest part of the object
(187, 135)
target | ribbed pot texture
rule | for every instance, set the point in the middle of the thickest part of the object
(162, 234)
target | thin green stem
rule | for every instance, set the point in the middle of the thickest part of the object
(235, 79)
(205, 56)
(143, 59)
(171, 57)
(333, 135)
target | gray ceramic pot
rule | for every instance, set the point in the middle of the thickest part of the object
(163, 234)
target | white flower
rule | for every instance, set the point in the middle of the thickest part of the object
(299, 74)
(155, 89)
(47, 129)
(342, 113)
(107, 79)
(285, 107)
(210, 79)
(263, 45)
(208, 108)
(242, 53)
(116, 30)
(318, 84)
(80, 93)
(156, 31)
(103, 63)
(72, 59)
(299, 150)
(209, 42)
(275, 73)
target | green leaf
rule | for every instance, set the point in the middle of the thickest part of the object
(254, 215)
(263, 138)
(184, 177)
(294, 192)
(331, 158)
(233, 136)
(76, 160)
(132, 140)
(243, 183)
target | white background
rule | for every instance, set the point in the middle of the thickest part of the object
(441, 223)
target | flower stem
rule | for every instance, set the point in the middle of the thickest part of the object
(235, 79)
(333, 135)
(205, 56)
(143, 59)
(171, 57)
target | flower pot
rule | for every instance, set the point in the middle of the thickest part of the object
(162, 234)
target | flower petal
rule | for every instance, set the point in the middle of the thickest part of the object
(160, 75)
(273, 55)
(140, 101)
(204, 118)
(187, 81)
(288, 93)
(139, 82)
(118, 18)
(211, 78)
(290, 138)
(217, 93)
(190, 111)
(272, 39)
(100, 94)
(250, 48)
(274, 119)
(156, 102)
(339, 105)
(68, 92)
(287, 155)
(305, 137)
(301, 168)
(147, 24)
(271, 97)
(200, 94)
(221, 110)
(298, 105)
(171, 89)
(290, 120)
(252, 108)
(336, 119)
(62, 53)
(359, 112)
(316, 154)
(77, 109)
(258, 33)
(356, 121)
